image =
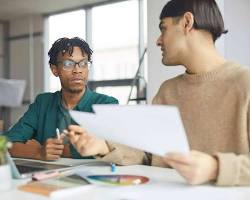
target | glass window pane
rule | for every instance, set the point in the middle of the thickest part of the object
(70, 24)
(119, 92)
(115, 64)
(115, 34)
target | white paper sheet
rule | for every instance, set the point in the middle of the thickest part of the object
(153, 128)
(12, 92)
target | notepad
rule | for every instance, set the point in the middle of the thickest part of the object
(58, 187)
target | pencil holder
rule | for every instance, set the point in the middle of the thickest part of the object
(5, 180)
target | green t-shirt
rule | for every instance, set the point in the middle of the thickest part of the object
(47, 114)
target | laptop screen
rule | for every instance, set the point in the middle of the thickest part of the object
(24, 168)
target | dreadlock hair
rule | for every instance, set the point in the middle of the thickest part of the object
(66, 45)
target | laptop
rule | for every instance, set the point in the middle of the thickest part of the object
(25, 168)
(21, 168)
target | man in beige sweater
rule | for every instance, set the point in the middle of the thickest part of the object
(213, 96)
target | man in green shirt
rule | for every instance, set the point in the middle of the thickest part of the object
(34, 135)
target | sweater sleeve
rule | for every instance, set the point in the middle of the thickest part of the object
(124, 155)
(233, 169)
(157, 160)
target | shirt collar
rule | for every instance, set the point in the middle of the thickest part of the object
(84, 100)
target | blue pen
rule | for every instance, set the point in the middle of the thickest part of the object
(113, 167)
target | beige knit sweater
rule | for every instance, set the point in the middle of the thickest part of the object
(215, 109)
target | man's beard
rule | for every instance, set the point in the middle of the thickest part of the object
(75, 91)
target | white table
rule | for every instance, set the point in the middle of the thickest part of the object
(164, 184)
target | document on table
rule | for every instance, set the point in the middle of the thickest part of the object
(157, 129)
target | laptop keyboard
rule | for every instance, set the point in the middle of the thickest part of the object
(27, 169)
(25, 166)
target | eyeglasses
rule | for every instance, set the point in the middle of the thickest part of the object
(69, 65)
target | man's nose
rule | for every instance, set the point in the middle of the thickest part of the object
(77, 68)
(158, 41)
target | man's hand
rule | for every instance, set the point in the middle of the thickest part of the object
(52, 149)
(85, 143)
(196, 167)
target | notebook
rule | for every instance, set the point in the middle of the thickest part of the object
(58, 187)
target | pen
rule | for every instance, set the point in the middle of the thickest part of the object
(65, 136)
(67, 172)
(58, 133)
(53, 174)
(42, 176)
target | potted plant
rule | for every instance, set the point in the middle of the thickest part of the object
(3, 149)
(5, 173)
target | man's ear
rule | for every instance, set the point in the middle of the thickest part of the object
(188, 21)
(54, 70)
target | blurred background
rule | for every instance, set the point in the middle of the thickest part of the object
(122, 34)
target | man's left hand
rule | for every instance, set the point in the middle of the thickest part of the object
(196, 167)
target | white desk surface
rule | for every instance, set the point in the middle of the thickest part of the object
(164, 184)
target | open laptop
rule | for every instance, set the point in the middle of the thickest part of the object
(21, 168)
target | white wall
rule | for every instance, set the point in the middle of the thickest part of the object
(237, 40)
(157, 72)
(235, 45)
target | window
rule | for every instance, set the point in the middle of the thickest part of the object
(120, 92)
(115, 34)
(68, 24)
